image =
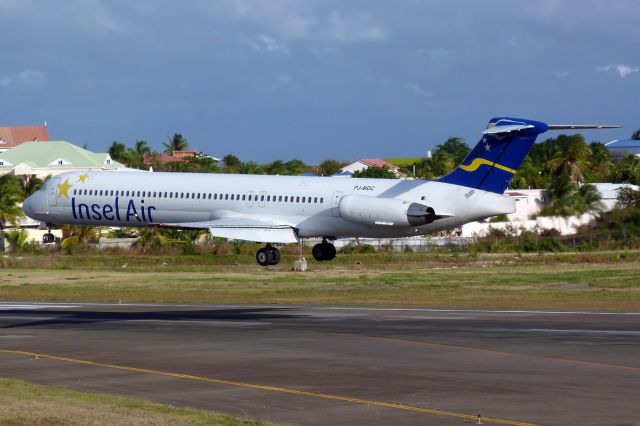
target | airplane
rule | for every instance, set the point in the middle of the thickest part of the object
(289, 209)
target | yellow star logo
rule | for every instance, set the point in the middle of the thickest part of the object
(63, 188)
(83, 178)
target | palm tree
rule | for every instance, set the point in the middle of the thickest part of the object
(10, 196)
(32, 184)
(118, 151)
(175, 143)
(572, 160)
(135, 157)
(16, 239)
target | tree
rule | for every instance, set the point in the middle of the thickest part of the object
(135, 157)
(16, 239)
(564, 198)
(572, 159)
(329, 167)
(118, 152)
(600, 164)
(627, 170)
(175, 143)
(375, 172)
(443, 162)
(31, 184)
(628, 198)
(10, 197)
(456, 147)
(232, 163)
(636, 135)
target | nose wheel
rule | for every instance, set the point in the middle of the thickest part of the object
(323, 251)
(48, 238)
(268, 255)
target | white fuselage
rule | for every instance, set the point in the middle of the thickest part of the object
(309, 205)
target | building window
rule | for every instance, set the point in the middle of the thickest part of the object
(60, 162)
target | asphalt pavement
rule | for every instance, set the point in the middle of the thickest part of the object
(339, 366)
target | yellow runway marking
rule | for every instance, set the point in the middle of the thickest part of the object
(391, 405)
(492, 351)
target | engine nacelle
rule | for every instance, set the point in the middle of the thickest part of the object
(384, 211)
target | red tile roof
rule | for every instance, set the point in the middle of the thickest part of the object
(377, 163)
(172, 157)
(15, 135)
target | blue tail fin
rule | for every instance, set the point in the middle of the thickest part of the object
(491, 164)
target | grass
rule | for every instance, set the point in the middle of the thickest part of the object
(403, 162)
(24, 403)
(599, 281)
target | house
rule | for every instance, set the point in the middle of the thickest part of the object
(42, 159)
(618, 149)
(365, 163)
(12, 136)
(173, 157)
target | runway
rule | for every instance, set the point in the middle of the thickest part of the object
(341, 366)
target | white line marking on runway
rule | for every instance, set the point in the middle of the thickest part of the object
(26, 306)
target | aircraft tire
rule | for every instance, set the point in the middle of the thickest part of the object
(275, 256)
(264, 257)
(329, 251)
(318, 252)
(48, 238)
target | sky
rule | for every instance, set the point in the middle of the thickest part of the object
(312, 80)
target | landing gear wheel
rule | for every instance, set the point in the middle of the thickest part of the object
(275, 255)
(268, 256)
(48, 238)
(264, 257)
(330, 251)
(318, 252)
(323, 251)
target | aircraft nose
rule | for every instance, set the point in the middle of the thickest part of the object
(30, 205)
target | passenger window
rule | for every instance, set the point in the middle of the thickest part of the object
(182, 195)
(321, 200)
(268, 197)
(315, 200)
(226, 196)
(297, 199)
(262, 198)
(280, 198)
(243, 197)
(231, 197)
(117, 192)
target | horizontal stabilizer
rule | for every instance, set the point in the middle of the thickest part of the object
(581, 126)
(503, 130)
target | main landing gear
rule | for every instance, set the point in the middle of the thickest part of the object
(48, 238)
(323, 251)
(268, 255)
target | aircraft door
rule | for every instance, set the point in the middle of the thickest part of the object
(263, 196)
(250, 199)
(335, 202)
(51, 192)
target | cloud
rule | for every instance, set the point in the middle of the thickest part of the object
(31, 78)
(417, 90)
(5, 81)
(264, 43)
(354, 28)
(560, 75)
(622, 70)
(282, 81)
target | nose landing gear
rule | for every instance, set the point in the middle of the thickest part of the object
(323, 251)
(48, 238)
(268, 255)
